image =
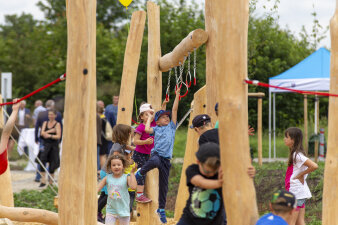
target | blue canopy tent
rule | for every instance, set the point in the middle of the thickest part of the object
(311, 74)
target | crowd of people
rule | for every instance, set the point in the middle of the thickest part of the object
(126, 155)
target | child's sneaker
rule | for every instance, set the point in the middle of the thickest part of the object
(142, 199)
(100, 218)
(161, 214)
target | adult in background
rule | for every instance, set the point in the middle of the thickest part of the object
(42, 117)
(51, 134)
(23, 120)
(103, 151)
(38, 108)
(111, 114)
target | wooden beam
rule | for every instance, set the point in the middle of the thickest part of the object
(146, 213)
(6, 193)
(330, 194)
(193, 41)
(29, 215)
(130, 67)
(78, 199)
(259, 131)
(257, 95)
(306, 137)
(229, 19)
(199, 107)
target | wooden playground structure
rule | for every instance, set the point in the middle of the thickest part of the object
(226, 33)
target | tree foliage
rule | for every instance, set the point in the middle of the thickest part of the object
(36, 51)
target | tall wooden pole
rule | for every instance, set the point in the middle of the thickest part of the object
(199, 107)
(305, 125)
(77, 185)
(259, 131)
(6, 193)
(146, 213)
(330, 194)
(229, 42)
(130, 66)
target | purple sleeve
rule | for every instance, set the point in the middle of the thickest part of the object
(140, 129)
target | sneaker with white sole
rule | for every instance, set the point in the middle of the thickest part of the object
(161, 214)
(142, 199)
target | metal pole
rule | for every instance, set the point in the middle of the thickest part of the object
(269, 126)
(274, 125)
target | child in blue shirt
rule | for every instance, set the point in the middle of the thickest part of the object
(161, 154)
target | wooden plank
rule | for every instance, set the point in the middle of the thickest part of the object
(330, 194)
(6, 193)
(306, 137)
(78, 203)
(199, 107)
(130, 67)
(257, 95)
(229, 20)
(146, 213)
(259, 131)
(193, 41)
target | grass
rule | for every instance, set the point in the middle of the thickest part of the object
(180, 142)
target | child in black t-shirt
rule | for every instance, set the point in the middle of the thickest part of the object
(204, 181)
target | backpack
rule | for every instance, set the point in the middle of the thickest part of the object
(107, 133)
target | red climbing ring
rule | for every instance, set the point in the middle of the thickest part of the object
(194, 81)
(188, 85)
(185, 94)
(167, 97)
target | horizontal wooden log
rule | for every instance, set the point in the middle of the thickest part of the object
(257, 95)
(193, 41)
(30, 215)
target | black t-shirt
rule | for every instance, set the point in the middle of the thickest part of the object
(209, 136)
(204, 206)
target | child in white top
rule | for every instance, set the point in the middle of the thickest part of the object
(299, 166)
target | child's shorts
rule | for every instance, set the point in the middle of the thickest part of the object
(112, 219)
(300, 204)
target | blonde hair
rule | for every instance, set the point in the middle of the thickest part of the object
(212, 162)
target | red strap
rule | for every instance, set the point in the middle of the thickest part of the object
(62, 77)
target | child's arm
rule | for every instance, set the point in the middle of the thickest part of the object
(138, 141)
(7, 130)
(251, 171)
(205, 183)
(129, 147)
(311, 166)
(149, 129)
(164, 104)
(175, 106)
(102, 183)
(131, 180)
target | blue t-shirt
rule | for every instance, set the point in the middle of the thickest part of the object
(164, 140)
(271, 219)
(111, 114)
(102, 175)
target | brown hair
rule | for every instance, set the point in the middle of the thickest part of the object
(280, 208)
(107, 166)
(212, 162)
(53, 111)
(297, 136)
(121, 133)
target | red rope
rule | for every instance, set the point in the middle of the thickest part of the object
(61, 78)
(256, 82)
(134, 121)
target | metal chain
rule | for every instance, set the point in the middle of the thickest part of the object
(194, 66)
(168, 85)
(188, 74)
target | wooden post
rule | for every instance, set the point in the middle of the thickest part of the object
(145, 212)
(191, 147)
(317, 126)
(259, 131)
(193, 41)
(229, 30)
(330, 203)
(78, 197)
(130, 66)
(305, 125)
(6, 193)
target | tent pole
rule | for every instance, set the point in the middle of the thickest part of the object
(305, 125)
(274, 125)
(269, 125)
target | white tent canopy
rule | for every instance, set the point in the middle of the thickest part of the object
(311, 74)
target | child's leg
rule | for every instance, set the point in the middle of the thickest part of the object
(153, 162)
(300, 218)
(102, 201)
(124, 220)
(132, 198)
(110, 219)
(164, 170)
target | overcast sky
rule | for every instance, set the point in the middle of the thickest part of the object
(292, 13)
